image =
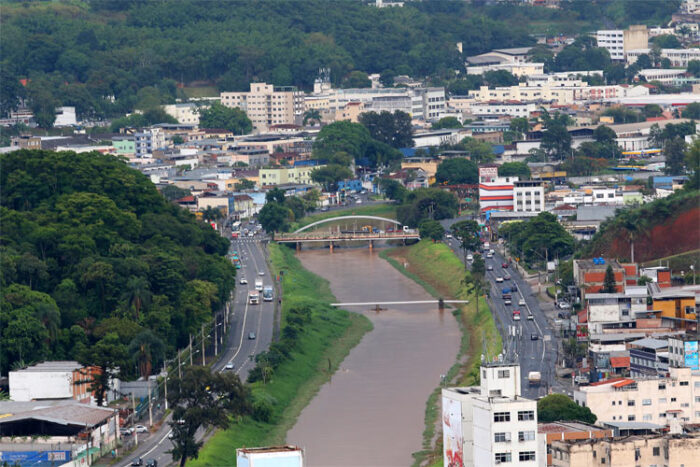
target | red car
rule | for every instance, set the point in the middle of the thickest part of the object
(505, 265)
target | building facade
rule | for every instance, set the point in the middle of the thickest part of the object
(148, 141)
(495, 193)
(528, 196)
(618, 41)
(267, 105)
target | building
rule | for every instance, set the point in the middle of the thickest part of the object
(56, 432)
(26, 142)
(528, 195)
(652, 400)
(186, 113)
(589, 274)
(490, 424)
(124, 145)
(618, 41)
(50, 381)
(648, 358)
(683, 351)
(610, 312)
(676, 304)
(662, 75)
(516, 69)
(679, 57)
(672, 450)
(300, 174)
(273, 456)
(148, 141)
(267, 105)
(510, 108)
(65, 116)
(564, 431)
(495, 193)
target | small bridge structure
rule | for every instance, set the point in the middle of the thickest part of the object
(377, 305)
(336, 235)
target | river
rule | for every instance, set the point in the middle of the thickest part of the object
(372, 411)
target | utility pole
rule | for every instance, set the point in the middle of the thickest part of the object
(204, 362)
(165, 382)
(133, 418)
(216, 337)
(150, 404)
(179, 366)
(191, 350)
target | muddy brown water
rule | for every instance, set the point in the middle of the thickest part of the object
(371, 413)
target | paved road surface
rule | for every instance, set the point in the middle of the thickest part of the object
(238, 348)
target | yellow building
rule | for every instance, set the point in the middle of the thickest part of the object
(675, 303)
(300, 175)
(429, 166)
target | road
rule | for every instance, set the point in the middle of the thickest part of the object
(538, 354)
(239, 349)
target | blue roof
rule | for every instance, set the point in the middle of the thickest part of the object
(498, 149)
(408, 152)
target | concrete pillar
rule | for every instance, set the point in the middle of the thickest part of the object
(298, 246)
(441, 304)
(331, 246)
(370, 245)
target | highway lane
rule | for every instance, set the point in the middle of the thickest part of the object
(238, 348)
(538, 354)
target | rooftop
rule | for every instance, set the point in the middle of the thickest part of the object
(58, 365)
(566, 427)
(651, 343)
(67, 412)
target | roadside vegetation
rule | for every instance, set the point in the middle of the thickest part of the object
(321, 344)
(435, 267)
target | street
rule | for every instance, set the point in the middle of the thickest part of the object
(239, 349)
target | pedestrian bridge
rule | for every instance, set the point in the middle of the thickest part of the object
(414, 302)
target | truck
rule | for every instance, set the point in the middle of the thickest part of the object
(267, 293)
(534, 378)
(234, 235)
(258, 284)
(253, 298)
(505, 294)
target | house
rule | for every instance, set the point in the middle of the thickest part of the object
(589, 274)
(564, 431)
(52, 380)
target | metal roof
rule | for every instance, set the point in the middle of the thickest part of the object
(68, 413)
(651, 343)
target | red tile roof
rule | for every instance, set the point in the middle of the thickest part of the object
(607, 381)
(623, 383)
(620, 362)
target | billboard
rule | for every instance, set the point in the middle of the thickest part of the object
(452, 441)
(691, 354)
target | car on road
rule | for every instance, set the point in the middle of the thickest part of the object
(126, 431)
(504, 265)
(359, 201)
(530, 317)
(470, 257)
(521, 302)
(141, 429)
(229, 366)
(563, 305)
(489, 255)
(261, 273)
(251, 335)
(489, 268)
(499, 279)
(243, 280)
(507, 301)
(137, 461)
(324, 209)
(151, 463)
(534, 337)
(506, 277)
(448, 235)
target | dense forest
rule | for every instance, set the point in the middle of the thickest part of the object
(109, 57)
(97, 266)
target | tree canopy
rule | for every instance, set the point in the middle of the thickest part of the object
(426, 203)
(389, 128)
(219, 116)
(90, 249)
(538, 238)
(457, 170)
(560, 407)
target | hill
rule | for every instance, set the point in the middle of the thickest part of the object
(93, 255)
(665, 227)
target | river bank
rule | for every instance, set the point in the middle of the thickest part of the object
(440, 272)
(324, 343)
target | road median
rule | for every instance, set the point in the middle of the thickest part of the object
(322, 344)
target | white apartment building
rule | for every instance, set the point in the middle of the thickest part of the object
(148, 141)
(187, 113)
(491, 424)
(678, 57)
(516, 69)
(267, 105)
(662, 75)
(654, 400)
(511, 108)
(609, 311)
(619, 41)
(528, 196)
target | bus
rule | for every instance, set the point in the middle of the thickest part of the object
(267, 293)
(253, 298)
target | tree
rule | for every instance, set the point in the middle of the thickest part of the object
(357, 79)
(244, 184)
(674, 151)
(476, 284)
(296, 205)
(652, 110)
(312, 116)
(108, 355)
(219, 116)
(556, 140)
(457, 170)
(467, 232)
(644, 62)
(614, 73)
(274, 217)
(386, 77)
(172, 192)
(559, 407)
(511, 169)
(389, 128)
(137, 294)
(623, 115)
(447, 122)
(692, 164)
(666, 41)
(275, 195)
(148, 351)
(519, 126)
(11, 91)
(573, 351)
(203, 399)
(604, 135)
(432, 230)
(500, 78)
(330, 175)
(694, 67)
(393, 189)
(212, 214)
(426, 203)
(43, 102)
(344, 136)
(609, 281)
(692, 110)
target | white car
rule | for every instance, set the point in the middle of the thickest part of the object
(521, 302)
(229, 366)
(499, 279)
(141, 429)
(448, 236)
(261, 273)
(489, 268)
(359, 201)
(243, 280)
(470, 257)
(564, 306)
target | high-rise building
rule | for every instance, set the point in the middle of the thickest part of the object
(267, 105)
(491, 424)
(619, 41)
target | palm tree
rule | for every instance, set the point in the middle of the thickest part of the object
(146, 348)
(137, 293)
(312, 115)
(476, 285)
(212, 214)
(50, 317)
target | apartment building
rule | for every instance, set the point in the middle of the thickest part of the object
(511, 108)
(618, 41)
(516, 69)
(683, 351)
(491, 424)
(565, 431)
(555, 90)
(52, 380)
(495, 193)
(614, 311)
(186, 113)
(671, 450)
(267, 105)
(678, 57)
(148, 141)
(528, 196)
(589, 274)
(662, 75)
(298, 175)
(652, 400)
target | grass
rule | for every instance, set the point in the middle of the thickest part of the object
(435, 267)
(677, 263)
(201, 91)
(325, 343)
(381, 210)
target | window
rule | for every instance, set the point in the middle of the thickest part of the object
(647, 417)
(526, 415)
(502, 457)
(630, 403)
(613, 402)
(631, 418)
(685, 404)
(673, 399)
(501, 417)
(526, 436)
(662, 385)
(662, 400)
(526, 456)
(646, 401)
(501, 438)
(656, 451)
(503, 374)
(683, 383)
